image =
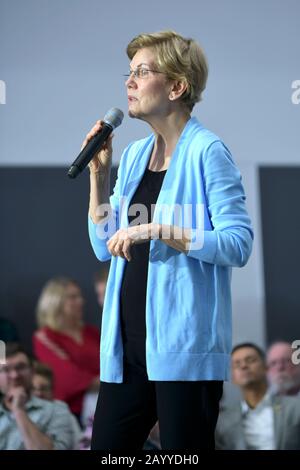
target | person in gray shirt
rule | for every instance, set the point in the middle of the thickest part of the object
(28, 422)
(260, 421)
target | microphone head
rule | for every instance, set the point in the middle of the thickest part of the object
(113, 117)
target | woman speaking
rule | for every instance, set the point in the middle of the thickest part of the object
(173, 228)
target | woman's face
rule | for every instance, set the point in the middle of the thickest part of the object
(149, 96)
(73, 304)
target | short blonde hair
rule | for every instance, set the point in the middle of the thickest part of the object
(179, 58)
(51, 301)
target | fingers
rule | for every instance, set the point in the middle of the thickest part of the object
(108, 144)
(118, 249)
(126, 249)
(120, 246)
(95, 129)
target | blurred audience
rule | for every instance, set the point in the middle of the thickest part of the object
(42, 381)
(283, 375)
(65, 343)
(88, 408)
(91, 397)
(42, 387)
(28, 422)
(261, 421)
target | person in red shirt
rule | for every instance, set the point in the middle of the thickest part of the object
(65, 343)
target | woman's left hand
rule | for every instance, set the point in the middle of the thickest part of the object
(120, 243)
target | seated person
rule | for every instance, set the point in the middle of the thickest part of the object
(283, 374)
(42, 381)
(261, 421)
(42, 387)
(27, 422)
(67, 345)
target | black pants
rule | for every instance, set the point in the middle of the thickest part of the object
(187, 412)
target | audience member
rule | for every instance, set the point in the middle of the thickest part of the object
(261, 421)
(42, 387)
(65, 343)
(283, 374)
(28, 422)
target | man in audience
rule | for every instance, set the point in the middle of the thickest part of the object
(283, 374)
(27, 422)
(261, 421)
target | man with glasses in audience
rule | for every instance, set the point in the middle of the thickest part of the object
(27, 422)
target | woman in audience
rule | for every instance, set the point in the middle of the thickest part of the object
(65, 343)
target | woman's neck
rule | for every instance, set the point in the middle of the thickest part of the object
(71, 328)
(167, 129)
(167, 132)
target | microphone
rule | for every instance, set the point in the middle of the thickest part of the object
(112, 119)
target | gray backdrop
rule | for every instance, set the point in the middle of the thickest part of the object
(62, 63)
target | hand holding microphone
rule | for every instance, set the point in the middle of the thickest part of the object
(101, 161)
(96, 150)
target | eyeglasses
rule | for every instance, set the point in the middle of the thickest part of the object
(140, 73)
(20, 368)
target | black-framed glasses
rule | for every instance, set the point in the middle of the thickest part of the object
(140, 73)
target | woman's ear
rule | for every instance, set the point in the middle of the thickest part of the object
(177, 90)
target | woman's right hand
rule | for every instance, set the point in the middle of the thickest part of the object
(101, 162)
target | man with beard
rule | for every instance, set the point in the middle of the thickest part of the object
(283, 374)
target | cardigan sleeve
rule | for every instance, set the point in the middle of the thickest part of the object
(100, 233)
(229, 243)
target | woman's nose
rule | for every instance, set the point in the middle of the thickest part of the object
(130, 82)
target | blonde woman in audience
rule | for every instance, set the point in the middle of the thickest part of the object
(65, 343)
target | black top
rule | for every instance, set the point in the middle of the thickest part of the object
(134, 283)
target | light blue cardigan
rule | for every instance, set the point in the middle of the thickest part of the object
(188, 305)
